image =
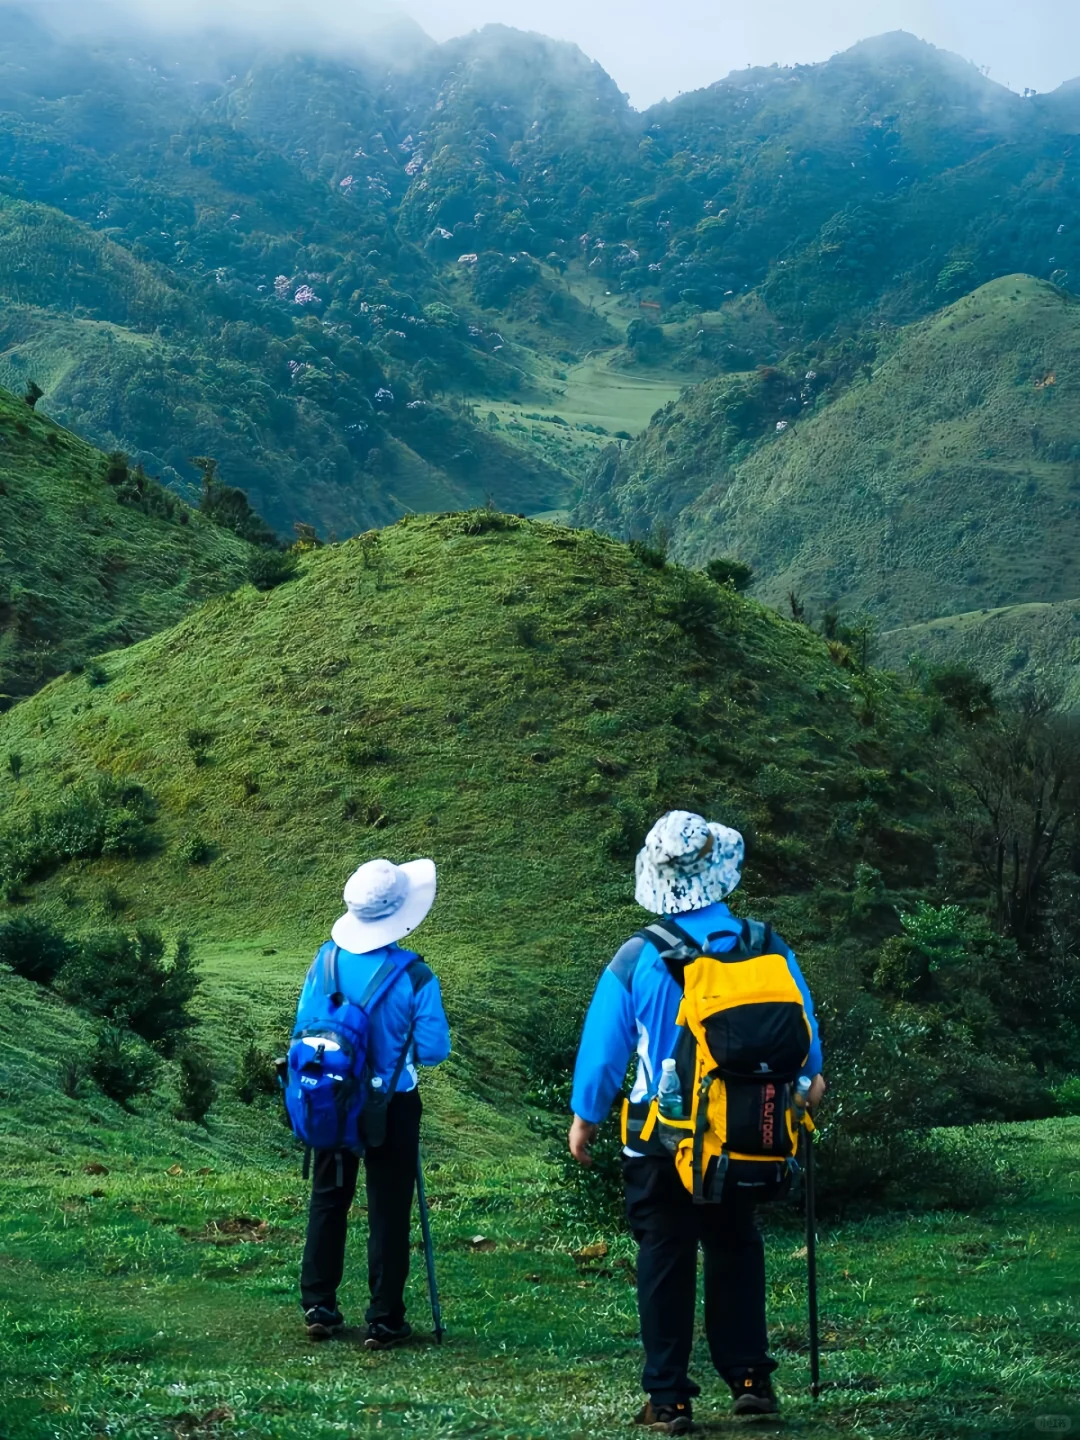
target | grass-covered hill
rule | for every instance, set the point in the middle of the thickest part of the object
(944, 479)
(1016, 647)
(519, 701)
(91, 558)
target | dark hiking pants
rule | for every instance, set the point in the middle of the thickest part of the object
(668, 1228)
(390, 1174)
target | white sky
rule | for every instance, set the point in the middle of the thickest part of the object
(655, 48)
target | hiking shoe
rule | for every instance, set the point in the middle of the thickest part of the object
(666, 1419)
(322, 1323)
(384, 1337)
(754, 1395)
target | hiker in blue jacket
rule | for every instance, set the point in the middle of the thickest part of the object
(384, 903)
(687, 868)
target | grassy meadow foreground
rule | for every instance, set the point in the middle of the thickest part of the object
(147, 1291)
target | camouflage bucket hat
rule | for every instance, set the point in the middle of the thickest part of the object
(687, 862)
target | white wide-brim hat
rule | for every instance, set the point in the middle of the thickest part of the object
(686, 863)
(384, 903)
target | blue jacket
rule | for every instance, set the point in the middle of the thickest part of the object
(411, 1000)
(634, 1008)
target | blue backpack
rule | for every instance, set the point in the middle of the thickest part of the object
(330, 1100)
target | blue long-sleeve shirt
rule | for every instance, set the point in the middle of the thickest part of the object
(634, 1008)
(403, 1005)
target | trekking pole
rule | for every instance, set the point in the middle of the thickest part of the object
(429, 1251)
(811, 1266)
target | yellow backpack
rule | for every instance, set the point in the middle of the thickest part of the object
(744, 1038)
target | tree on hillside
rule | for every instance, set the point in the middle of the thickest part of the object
(726, 570)
(230, 508)
(33, 393)
(1018, 791)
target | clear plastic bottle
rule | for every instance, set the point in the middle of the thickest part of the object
(669, 1093)
(802, 1092)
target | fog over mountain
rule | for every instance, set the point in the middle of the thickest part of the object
(657, 51)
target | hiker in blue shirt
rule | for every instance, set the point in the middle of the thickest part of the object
(687, 868)
(384, 903)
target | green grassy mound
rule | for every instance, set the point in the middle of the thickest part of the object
(1016, 647)
(517, 700)
(84, 565)
(947, 480)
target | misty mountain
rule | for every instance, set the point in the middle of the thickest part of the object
(214, 244)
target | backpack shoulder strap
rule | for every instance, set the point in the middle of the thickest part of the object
(666, 934)
(675, 946)
(400, 962)
(419, 972)
(329, 983)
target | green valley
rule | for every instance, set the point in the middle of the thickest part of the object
(1034, 646)
(330, 273)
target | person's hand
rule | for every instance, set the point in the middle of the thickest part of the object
(817, 1092)
(582, 1134)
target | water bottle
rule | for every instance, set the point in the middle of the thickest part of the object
(802, 1092)
(669, 1092)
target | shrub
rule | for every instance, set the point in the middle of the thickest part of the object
(360, 753)
(113, 902)
(33, 948)
(96, 674)
(195, 850)
(120, 1066)
(14, 765)
(726, 570)
(962, 689)
(198, 1088)
(268, 568)
(648, 554)
(126, 980)
(198, 742)
(229, 507)
(526, 631)
(106, 818)
(32, 393)
(694, 607)
(255, 1075)
(1065, 1097)
(486, 519)
(955, 1169)
(72, 1074)
(116, 468)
